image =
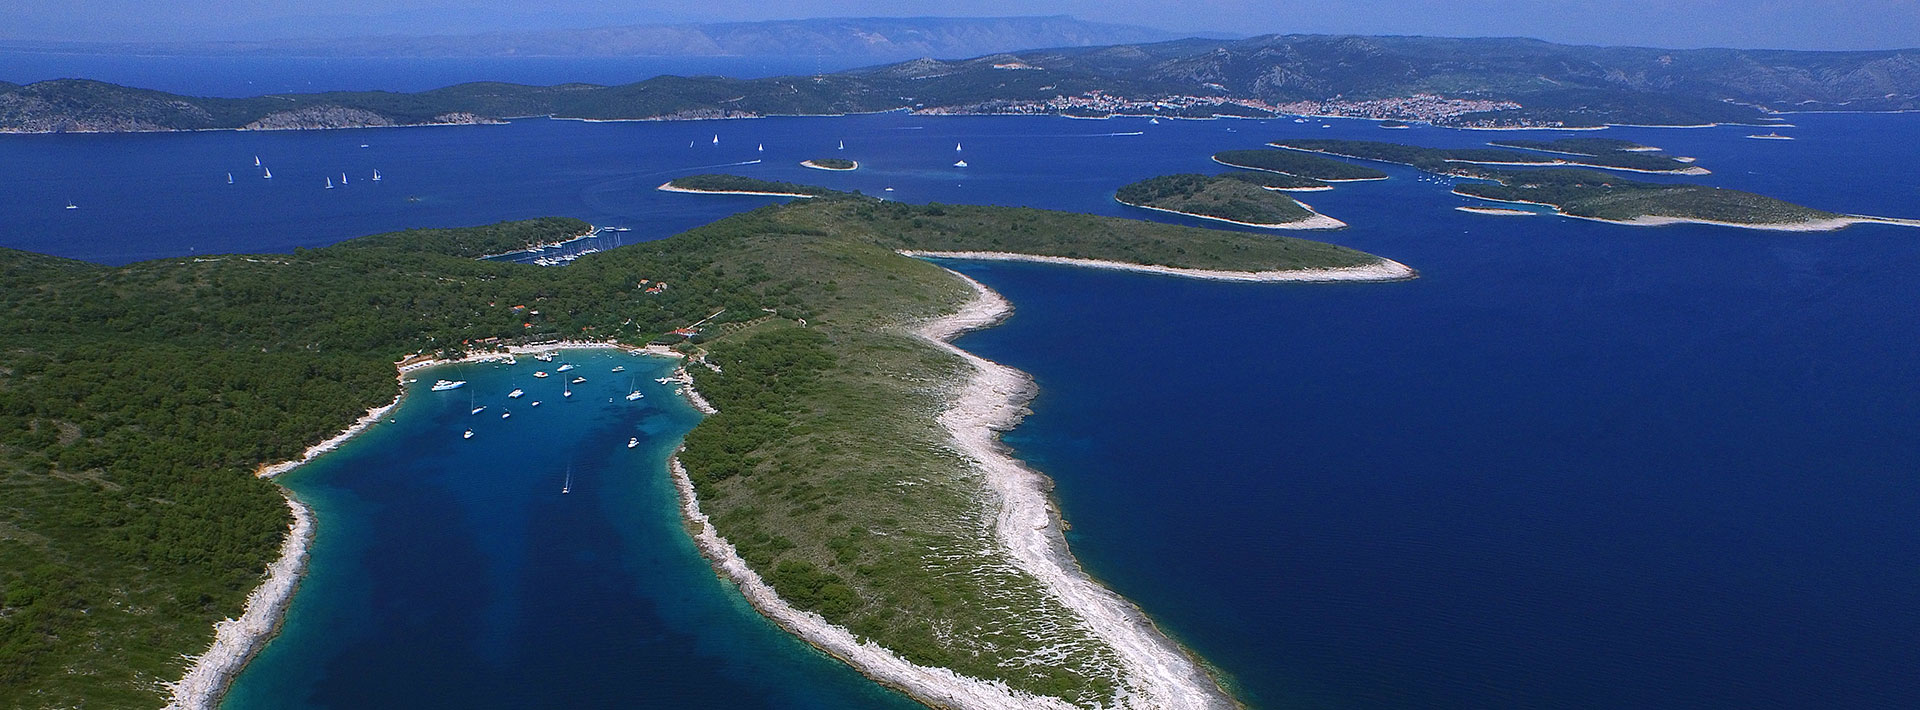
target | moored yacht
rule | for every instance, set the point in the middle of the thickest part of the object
(443, 385)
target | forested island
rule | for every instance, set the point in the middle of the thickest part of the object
(737, 185)
(839, 164)
(1297, 164)
(1442, 159)
(1595, 195)
(136, 402)
(1471, 83)
(1224, 198)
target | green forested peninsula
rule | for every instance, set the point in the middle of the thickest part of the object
(1442, 159)
(1297, 164)
(136, 401)
(1596, 195)
(1216, 196)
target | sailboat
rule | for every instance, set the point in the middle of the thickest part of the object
(343, 178)
(1154, 121)
(567, 487)
(762, 148)
(256, 161)
(716, 139)
(635, 394)
(229, 178)
(467, 435)
(329, 183)
(476, 408)
(632, 442)
(504, 414)
(72, 206)
(567, 390)
(960, 163)
(515, 394)
(376, 175)
(956, 147)
(269, 174)
(843, 145)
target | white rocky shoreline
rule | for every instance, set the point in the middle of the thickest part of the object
(235, 641)
(1383, 270)
(1157, 673)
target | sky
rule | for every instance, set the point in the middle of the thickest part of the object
(1782, 24)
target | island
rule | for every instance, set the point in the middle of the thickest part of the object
(1438, 159)
(1223, 199)
(1588, 147)
(1594, 195)
(1395, 124)
(1450, 82)
(840, 164)
(140, 402)
(714, 184)
(1297, 164)
(1278, 181)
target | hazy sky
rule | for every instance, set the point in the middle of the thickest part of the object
(1792, 24)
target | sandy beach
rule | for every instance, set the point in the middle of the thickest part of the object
(1384, 270)
(668, 186)
(236, 640)
(1317, 221)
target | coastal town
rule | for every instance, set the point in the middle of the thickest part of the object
(1418, 107)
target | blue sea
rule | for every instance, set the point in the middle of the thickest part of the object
(1573, 465)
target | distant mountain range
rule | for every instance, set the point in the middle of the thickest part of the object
(878, 38)
(1453, 82)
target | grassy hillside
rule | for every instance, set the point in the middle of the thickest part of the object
(135, 401)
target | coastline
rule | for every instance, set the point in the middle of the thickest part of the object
(1385, 270)
(668, 186)
(1497, 211)
(1317, 221)
(1303, 177)
(235, 641)
(1158, 673)
(1814, 225)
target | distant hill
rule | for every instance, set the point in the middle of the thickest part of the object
(877, 38)
(1449, 82)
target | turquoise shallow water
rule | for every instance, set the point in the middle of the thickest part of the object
(452, 573)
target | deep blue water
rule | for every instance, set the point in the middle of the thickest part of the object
(1572, 465)
(451, 572)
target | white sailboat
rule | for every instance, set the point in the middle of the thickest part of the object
(329, 183)
(1154, 121)
(467, 435)
(843, 145)
(956, 147)
(256, 161)
(269, 174)
(504, 414)
(376, 175)
(72, 206)
(960, 163)
(229, 178)
(762, 148)
(632, 442)
(567, 390)
(716, 139)
(635, 393)
(343, 178)
(567, 487)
